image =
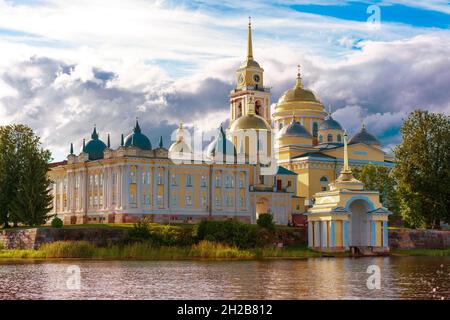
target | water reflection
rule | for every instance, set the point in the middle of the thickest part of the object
(324, 278)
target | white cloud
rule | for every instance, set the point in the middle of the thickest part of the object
(78, 64)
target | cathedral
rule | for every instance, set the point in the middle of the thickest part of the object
(293, 161)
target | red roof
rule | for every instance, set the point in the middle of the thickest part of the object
(57, 164)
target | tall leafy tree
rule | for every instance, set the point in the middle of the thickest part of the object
(423, 169)
(23, 178)
(8, 171)
(380, 179)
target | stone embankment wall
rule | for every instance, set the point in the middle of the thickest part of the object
(424, 239)
(34, 238)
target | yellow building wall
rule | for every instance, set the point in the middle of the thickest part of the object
(378, 233)
(357, 152)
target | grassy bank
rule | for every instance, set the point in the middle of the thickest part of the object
(422, 252)
(146, 251)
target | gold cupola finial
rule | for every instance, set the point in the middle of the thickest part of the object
(298, 83)
(249, 40)
(329, 110)
(293, 116)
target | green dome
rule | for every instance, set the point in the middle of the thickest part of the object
(138, 139)
(95, 147)
(221, 147)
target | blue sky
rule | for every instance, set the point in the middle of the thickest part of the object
(67, 65)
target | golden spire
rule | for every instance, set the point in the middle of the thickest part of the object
(293, 116)
(298, 83)
(249, 41)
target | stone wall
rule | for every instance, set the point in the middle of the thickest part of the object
(34, 238)
(426, 239)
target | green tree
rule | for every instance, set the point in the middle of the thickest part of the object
(380, 179)
(24, 184)
(422, 169)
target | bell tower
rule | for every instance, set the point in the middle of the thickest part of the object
(249, 85)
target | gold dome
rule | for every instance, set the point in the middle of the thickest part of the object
(298, 93)
(250, 121)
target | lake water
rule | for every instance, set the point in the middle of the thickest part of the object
(319, 278)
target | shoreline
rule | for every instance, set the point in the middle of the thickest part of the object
(203, 251)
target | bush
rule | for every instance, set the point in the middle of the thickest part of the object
(265, 220)
(230, 232)
(159, 235)
(57, 223)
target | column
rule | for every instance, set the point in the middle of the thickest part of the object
(316, 233)
(213, 190)
(331, 234)
(138, 186)
(324, 234)
(246, 186)
(166, 188)
(385, 234)
(345, 233)
(236, 190)
(310, 234)
(125, 182)
(373, 233)
(155, 186)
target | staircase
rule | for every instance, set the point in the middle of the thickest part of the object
(360, 251)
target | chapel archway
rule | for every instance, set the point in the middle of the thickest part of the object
(359, 224)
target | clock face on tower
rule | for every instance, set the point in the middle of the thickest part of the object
(256, 78)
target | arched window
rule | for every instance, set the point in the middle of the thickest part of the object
(239, 110)
(321, 138)
(323, 183)
(280, 126)
(258, 107)
(330, 138)
(315, 129)
(338, 138)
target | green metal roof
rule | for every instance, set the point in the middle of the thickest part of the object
(283, 171)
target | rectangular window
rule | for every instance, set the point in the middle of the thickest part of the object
(174, 179)
(241, 181)
(160, 201)
(132, 198)
(203, 201)
(217, 199)
(218, 182)
(241, 202)
(160, 178)
(188, 180)
(132, 176)
(189, 201)
(174, 199)
(203, 179)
